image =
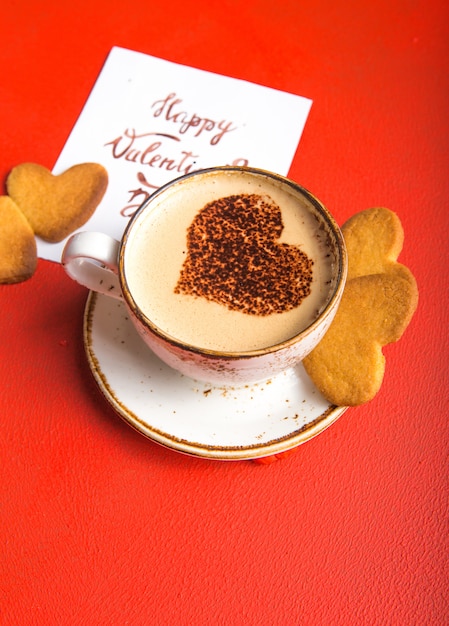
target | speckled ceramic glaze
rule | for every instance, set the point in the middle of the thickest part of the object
(223, 423)
(218, 368)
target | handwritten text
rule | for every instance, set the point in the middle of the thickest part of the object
(170, 109)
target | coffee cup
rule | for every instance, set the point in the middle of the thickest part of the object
(230, 275)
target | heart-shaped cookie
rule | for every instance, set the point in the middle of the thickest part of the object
(374, 240)
(55, 206)
(234, 258)
(18, 254)
(378, 303)
(348, 365)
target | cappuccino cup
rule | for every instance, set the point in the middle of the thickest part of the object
(230, 275)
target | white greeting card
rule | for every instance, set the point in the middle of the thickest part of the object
(148, 121)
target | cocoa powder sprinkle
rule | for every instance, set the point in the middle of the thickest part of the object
(234, 258)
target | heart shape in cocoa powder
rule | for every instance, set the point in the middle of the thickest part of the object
(18, 253)
(55, 206)
(234, 258)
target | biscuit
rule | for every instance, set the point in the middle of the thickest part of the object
(348, 364)
(18, 252)
(374, 240)
(378, 303)
(56, 206)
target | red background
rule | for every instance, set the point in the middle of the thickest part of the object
(102, 526)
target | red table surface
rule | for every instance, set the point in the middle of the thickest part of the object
(100, 525)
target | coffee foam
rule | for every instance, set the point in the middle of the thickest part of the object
(157, 250)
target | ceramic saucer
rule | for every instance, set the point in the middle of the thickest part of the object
(191, 417)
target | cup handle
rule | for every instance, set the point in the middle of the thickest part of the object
(91, 259)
